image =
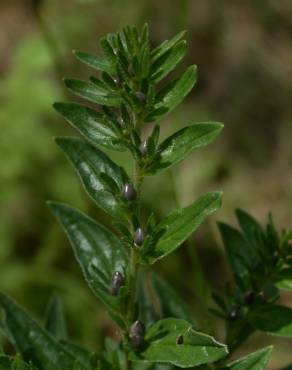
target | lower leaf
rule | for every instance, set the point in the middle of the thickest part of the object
(174, 341)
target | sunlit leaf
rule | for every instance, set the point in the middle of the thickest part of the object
(98, 251)
(93, 125)
(178, 226)
(175, 148)
(90, 163)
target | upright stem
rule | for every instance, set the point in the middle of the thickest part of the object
(133, 266)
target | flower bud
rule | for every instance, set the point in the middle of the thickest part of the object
(129, 192)
(139, 236)
(137, 332)
(143, 148)
(141, 97)
(117, 282)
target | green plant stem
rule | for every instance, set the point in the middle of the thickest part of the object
(133, 266)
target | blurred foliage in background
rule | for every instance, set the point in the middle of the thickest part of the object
(243, 50)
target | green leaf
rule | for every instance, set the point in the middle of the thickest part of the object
(252, 231)
(33, 342)
(97, 250)
(92, 92)
(166, 46)
(93, 125)
(171, 305)
(5, 362)
(254, 361)
(273, 319)
(90, 163)
(178, 226)
(236, 248)
(167, 62)
(84, 357)
(175, 148)
(97, 62)
(55, 318)
(173, 94)
(162, 345)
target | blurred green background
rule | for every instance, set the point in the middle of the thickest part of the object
(243, 50)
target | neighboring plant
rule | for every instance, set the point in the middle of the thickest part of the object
(155, 328)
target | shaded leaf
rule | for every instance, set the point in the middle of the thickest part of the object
(85, 358)
(236, 248)
(97, 250)
(273, 319)
(179, 225)
(171, 305)
(162, 346)
(33, 342)
(254, 361)
(175, 148)
(55, 318)
(93, 125)
(90, 163)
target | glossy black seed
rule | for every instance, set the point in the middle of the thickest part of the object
(249, 298)
(141, 97)
(234, 313)
(179, 340)
(117, 282)
(116, 80)
(137, 332)
(139, 236)
(129, 192)
(143, 148)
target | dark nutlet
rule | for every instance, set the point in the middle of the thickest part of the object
(129, 192)
(141, 97)
(117, 282)
(249, 298)
(143, 148)
(139, 236)
(137, 332)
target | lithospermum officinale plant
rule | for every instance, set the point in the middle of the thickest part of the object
(128, 94)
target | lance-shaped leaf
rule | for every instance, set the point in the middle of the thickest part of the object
(166, 46)
(33, 342)
(254, 361)
(174, 341)
(98, 251)
(85, 358)
(178, 226)
(167, 62)
(55, 318)
(91, 163)
(173, 94)
(93, 125)
(96, 62)
(273, 319)
(170, 304)
(175, 148)
(237, 251)
(92, 92)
